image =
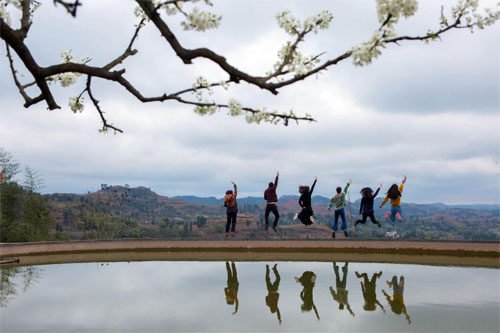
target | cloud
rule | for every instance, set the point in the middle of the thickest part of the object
(429, 111)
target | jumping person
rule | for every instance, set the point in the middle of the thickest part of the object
(339, 201)
(306, 215)
(231, 209)
(231, 290)
(341, 294)
(366, 207)
(368, 287)
(394, 194)
(307, 280)
(272, 291)
(271, 198)
(397, 302)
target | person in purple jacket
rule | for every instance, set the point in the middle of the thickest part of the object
(271, 198)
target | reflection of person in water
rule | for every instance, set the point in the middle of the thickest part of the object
(341, 295)
(272, 291)
(307, 281)
(397, 303)
(369, 291)
(231, 290)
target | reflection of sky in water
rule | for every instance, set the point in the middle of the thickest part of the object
(189, 296)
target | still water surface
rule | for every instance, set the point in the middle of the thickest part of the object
(249, 296)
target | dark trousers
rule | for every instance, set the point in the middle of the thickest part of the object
(231, 221)
(365, 216)
(272, 208)
(305, 215)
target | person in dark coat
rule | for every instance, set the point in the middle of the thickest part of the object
(368, 287)
(366, 206)
(271, 198)
(272, 291)
(307, 280)
(306, 215)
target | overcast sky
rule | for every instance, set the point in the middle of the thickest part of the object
(430, 111)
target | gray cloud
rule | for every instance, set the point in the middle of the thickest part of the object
(429, 111)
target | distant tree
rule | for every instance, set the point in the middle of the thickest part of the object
(8, 165)
(201, 220)
(24, 216)
(33, 182)
(290, 67)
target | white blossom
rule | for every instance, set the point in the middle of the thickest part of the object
(395, 8)
(200, 21)
(69, 78)
(4, 12)
(234, 107)
(294, 26)
(205, 109)
(76, 104)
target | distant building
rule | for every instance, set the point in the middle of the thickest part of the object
(392, 234)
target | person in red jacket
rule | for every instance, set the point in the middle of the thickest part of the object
(271, 198)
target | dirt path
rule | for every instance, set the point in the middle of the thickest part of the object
(484, 254)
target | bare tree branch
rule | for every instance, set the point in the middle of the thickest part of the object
(70, 7)
(105, 124)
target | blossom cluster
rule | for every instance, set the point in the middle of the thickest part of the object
(76, 104)
(389, 13)
(289, 58)
(294, 60)
(197, 19)
(467, 9)
(396, 9)
(294, 26)
(200, 20)
(67, 79)
(5, 14)
(235, 107)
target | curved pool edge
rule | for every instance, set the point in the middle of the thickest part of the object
(453, 253)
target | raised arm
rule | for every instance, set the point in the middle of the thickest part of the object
(347, 186)
(376, 192)
(276, 179)
(402, 185)
(235, 189)
(314, 184)
(385, 200)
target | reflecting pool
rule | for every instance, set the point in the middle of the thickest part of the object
(249, 296)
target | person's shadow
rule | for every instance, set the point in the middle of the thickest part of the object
(397, 302)
(341, 294)
(272, 291)
(368, 287)
(231, 290)
(307, 280)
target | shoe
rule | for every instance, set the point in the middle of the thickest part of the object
(345, 233)
(232, 234)
(296, 216)
(274, 228)
(399, 216)
(387, 215)
(333, 234)
(379, 225)
(267, 226)
(313, 220)
(226, 234)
